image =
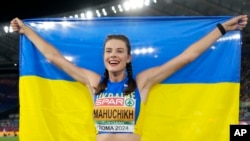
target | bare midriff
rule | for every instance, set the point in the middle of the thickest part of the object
(118, 137)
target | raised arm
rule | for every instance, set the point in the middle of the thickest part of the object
(87, 77)
(150, 77)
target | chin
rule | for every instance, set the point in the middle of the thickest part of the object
(114, 70)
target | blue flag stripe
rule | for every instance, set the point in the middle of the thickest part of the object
(159, 40)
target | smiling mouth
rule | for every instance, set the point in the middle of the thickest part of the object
(114, 62)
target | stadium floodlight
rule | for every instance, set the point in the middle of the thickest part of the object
(136, 4)
(6, 29)
(76, 16)
(89, 15)
(10, 29)
(120, 8)
(113, 8)
(104, 12)
(82, 15)
(126, 6)
(98, 13)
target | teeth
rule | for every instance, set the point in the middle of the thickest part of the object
(113, 62)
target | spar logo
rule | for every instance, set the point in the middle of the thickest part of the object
(110, 101)
(129, 102)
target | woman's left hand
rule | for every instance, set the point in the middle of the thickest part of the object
(236, 23)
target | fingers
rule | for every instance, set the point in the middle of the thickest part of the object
(243, 18)
(242, 21)
(15, 24)
(15, 28)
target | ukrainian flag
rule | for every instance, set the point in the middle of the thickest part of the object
(199, 102)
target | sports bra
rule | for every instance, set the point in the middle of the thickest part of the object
(114, 112)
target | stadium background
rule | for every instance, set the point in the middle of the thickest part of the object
(9, 51)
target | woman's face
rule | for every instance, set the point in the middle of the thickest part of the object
(116, 55)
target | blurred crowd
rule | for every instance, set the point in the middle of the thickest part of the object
(245, 89)
(9, 126)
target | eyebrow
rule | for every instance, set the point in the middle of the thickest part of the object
(117, 48)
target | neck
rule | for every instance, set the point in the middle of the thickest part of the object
(117, 77)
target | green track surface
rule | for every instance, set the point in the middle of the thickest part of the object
(8, 138)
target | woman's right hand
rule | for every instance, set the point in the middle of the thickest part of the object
(17, 25)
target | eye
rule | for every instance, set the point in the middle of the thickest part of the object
(108, 51)
(120, 50)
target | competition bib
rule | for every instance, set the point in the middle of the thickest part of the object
(115, 114)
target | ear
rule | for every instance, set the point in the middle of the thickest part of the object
(129, 58)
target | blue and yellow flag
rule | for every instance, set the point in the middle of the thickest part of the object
(198, 102)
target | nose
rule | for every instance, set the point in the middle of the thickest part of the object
(113, 56)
